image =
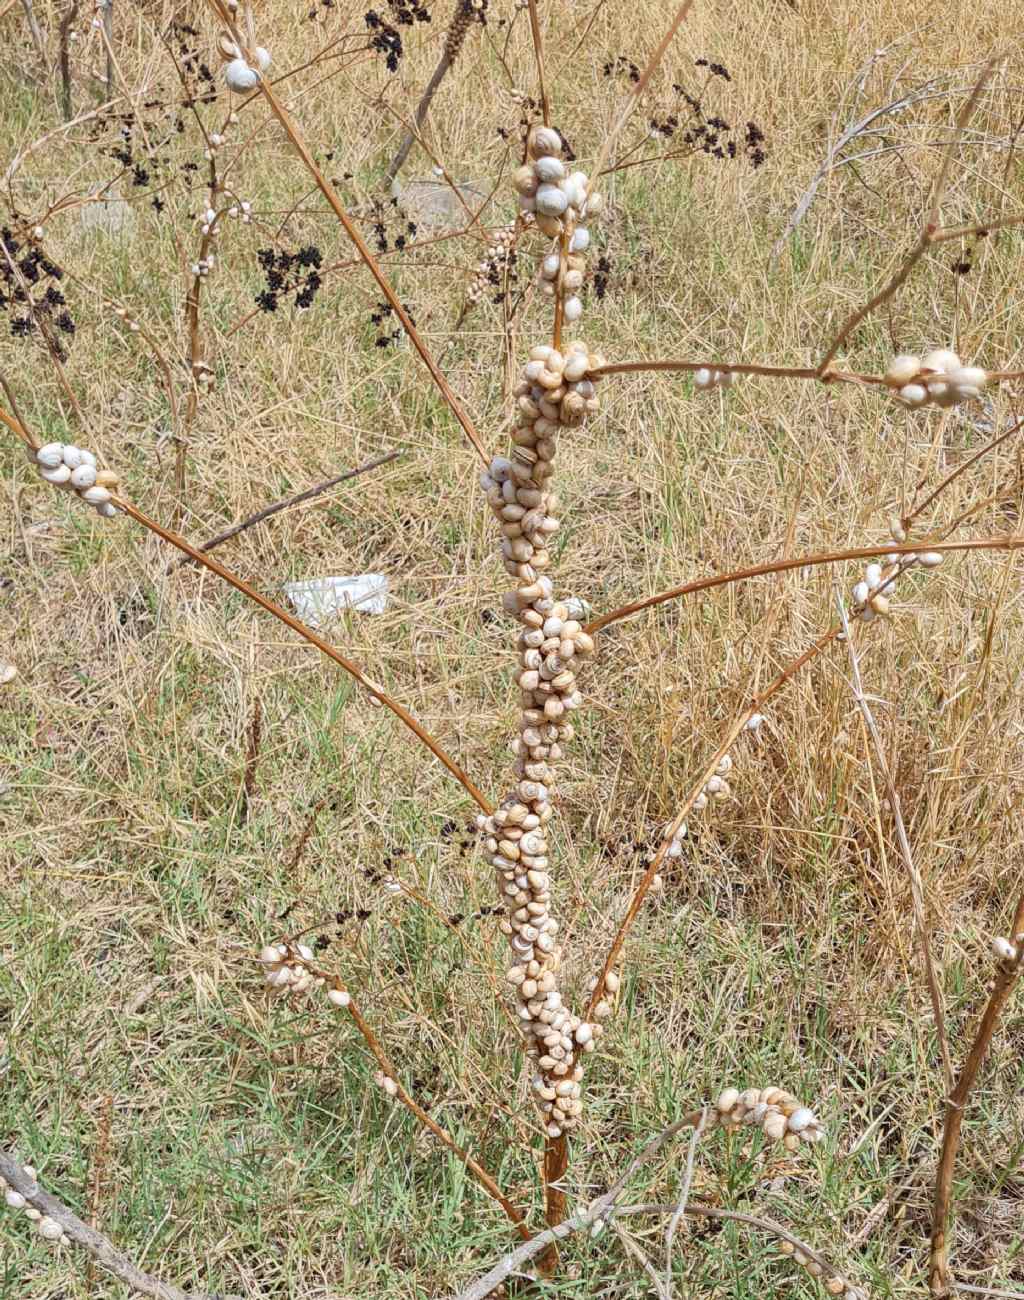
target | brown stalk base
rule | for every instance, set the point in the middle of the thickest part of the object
(556, 1162)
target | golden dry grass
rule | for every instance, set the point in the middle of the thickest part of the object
(248, 1150)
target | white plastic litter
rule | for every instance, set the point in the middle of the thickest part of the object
(319, 599)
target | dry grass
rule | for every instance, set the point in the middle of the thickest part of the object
(247, 1150)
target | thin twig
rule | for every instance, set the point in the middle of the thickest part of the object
(684, 1197)
(1007, 975)
(538, 54)
(102, 1250)
(849, 134)
(1010, 542)
(475, 1168)
(913, 874)
(452, 45)
(599, 1211)
(924, 239)
(306, 495)
(636, 92)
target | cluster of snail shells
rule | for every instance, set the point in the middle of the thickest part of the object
(49, 1229)
(716, 786)
(239, 74)
(706, 378)
(776, 1112)
(874, 591)
(833, 1283)
(559, 202)
(553, 393)
(285, 969)
(938, 379)
(73, 468)
(1007, 953)
(241, 209)
(603, 1008)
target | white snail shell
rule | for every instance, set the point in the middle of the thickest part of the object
(551, 201)
(941, 360)
(545, 140)
(239, 76)
(549, 168)
(902, 370)
(262, 57)
(914, 394)
(61, 474)
(51, 455)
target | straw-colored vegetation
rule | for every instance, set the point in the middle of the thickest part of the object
(182, 780)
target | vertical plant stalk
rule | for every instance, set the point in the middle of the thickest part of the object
(97, 1178)
(550, 644)
(538, 54)
(1007, 975)
(106, 8)
(254, 737)
(33, 27)
(66, 23)
(913, 874)
(453, 42)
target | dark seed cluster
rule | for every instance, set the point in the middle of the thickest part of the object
(386, 219)
(380, 319)
(620, 66)
(691, 125)
(289, 273)
(29, 292)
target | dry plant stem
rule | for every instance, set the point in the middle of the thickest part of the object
(66, 23)
(309, 635)
(329, 193)
(454, 41)
(913, 874)
(928, 231)
(307, 495)
(97, 1176)
(479, 1173)
(1010, 542)
(106, 7)
(642, 889)
(538, 54)
(849, 134)
(636, 93)
(102, 1250)
(1005, 978)
(684, 1196)
(602, 1210)
(33, 27)
(960, 469)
